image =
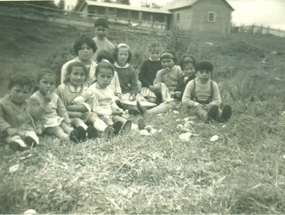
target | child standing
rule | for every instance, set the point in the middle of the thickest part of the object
(103, 101)
(49, 110)
(165, 83)
(84, 48)
(17, 126)
(101, 28)
(74, 84)
(149, 70)
(203, 96)
(127, 74)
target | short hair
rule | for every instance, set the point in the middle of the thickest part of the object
(182, 62)
(104, 54)
(204, 65)
(21, 80)
(116, 51)
(168, 54)
(154, 45)
(44, 72)
(84, 39)
(106, 65)
(69, 70)
(101, 22)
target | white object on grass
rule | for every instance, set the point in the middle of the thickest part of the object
(14, 168)
(185, 136)
(214, 138)
(30, 212)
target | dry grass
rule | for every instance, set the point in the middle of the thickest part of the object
(241, 173)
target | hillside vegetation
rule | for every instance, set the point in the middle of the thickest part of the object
(242, 172)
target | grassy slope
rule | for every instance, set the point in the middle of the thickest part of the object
(243, 172)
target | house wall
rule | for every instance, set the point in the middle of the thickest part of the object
(195, 18)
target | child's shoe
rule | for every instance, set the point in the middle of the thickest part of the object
(30, 141)
(226, 113)
(141, 124)
(109, 131)
(120, 104)
(134, 112)
(212, 113)
(117, 127)
(81, 133)
(126, 126)
(77, 134)
(141, 108)
(91, 132)
(18, 145)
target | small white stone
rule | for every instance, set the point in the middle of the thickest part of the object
(185, 137)
(176, 112)
(30, 212)
(14, 168)
(179, 126)
(214, 138)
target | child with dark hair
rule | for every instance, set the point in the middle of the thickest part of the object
(165, 83)
(49, 111)
(84, 48)
(149, 70)
(127, 74)
(187, 65)
(74, 85)
(102, 101)
(104, 55)
(202, 95)
(17, 127)
(101, 29)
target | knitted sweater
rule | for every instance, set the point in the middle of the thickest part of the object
(148, 72)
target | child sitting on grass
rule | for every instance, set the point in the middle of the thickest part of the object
(165, 83)
(17, 127)
(115, 83)
(127, 74)
(74, 84)
(49, 110)
(149, 70)
(101, 29)
(84, 47)
(203, 96)
(103, 102)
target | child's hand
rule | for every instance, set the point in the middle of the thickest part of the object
(151, 88)
(78, 114)
(177, 94)
(47, 97)
(117, 111)
(12, 131)
(39, 131)
(132, 98)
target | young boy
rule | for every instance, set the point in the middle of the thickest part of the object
(17, 127)
(148, 71)
(101, 28)
(203, 96)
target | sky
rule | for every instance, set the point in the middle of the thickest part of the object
(247, 12)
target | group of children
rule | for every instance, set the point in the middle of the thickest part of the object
(88, 102)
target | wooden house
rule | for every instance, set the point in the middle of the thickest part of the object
(200, 15)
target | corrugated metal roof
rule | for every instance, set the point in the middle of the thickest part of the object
(127, 7)
(175, 4)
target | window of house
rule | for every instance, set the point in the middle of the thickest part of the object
(211, 16)
(178, 16)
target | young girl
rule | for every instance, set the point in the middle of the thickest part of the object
(17, 127)
(165, 83)
(149, 70)
(49, 110)
(84, 48)
(202, 95)
(74, 84)
(103, 101)
(127, 74)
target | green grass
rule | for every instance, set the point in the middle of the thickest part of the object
(241, 173)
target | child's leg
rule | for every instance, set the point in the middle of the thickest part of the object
(31, 138)
(125, 124)
(98, 124)
(165, 107)
(58, 132)
(16, 142)
(76, 122)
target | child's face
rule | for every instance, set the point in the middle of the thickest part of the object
(101, 32)
(203, 75)
(104, 77)
(189, 70)
(19, 94)
(154, 54)
(77, 76)
(167, 63)
(85, 52)
(123, 55)
(47, 84)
